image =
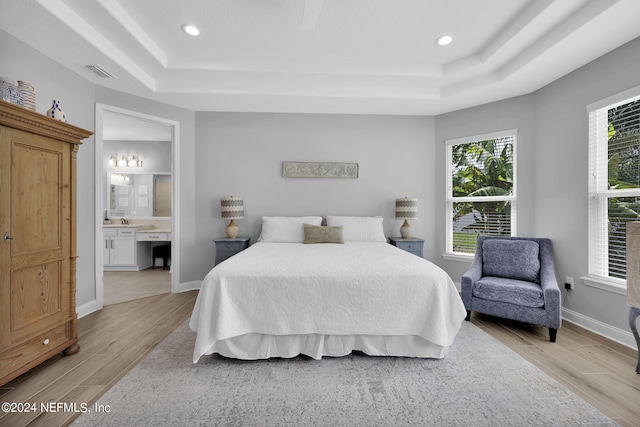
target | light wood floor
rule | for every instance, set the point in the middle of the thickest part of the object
(599, 370)
(112, 341)
(120, 286)
(119, 336)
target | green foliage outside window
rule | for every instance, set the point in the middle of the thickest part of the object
(623, 174)
(481, 169)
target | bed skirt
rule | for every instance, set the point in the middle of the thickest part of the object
(259, 346)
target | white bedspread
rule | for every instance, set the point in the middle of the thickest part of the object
(351, 289)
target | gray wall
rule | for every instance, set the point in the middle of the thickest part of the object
(77, 96)
(552, 169)
(561, 159)
(241, 155)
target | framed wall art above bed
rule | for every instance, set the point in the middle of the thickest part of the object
(319, 170)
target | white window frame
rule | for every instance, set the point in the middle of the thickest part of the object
(450, 200)
(599, 193)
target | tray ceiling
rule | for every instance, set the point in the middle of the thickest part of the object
(324, 56)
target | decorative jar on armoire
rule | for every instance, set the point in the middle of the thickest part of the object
(38, 249)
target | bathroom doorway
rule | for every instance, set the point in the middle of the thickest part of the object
(137, 195)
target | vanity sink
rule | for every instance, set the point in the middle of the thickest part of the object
(138, 227)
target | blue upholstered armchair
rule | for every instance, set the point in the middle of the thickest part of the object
(514, 278)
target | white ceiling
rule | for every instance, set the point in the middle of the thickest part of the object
(324, 56)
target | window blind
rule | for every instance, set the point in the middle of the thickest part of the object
(614, 182)
(481, 189)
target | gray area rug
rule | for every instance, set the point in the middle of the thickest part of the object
(479, 383)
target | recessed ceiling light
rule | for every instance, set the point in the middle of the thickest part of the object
(191, 29)
(444, 40)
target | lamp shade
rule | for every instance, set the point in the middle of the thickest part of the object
(232, 208)
(406, 208)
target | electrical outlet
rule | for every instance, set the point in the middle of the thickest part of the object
(568, 282)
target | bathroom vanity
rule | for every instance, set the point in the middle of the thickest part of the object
(128, 247)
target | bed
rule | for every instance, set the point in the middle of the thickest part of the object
(282, 297)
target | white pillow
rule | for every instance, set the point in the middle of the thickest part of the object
(359, 228)
(283, 229)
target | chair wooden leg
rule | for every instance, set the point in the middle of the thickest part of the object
(468, 315)
(552, 334)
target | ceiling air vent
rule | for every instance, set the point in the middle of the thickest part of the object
(99, 71)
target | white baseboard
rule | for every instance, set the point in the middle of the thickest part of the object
(189, 286)
(615, 334)
(87, 308)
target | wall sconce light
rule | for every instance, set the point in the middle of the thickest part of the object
(120, 178)
(125, 162)
(134, 162)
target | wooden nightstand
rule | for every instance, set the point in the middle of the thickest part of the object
(227, 247)
(413, 245)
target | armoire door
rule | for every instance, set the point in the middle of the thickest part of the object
(36, 230)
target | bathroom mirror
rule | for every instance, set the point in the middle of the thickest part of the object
(138, 195)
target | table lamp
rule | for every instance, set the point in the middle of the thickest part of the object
(232, 208)
(406, 209)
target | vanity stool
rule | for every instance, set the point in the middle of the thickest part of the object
(161, 251)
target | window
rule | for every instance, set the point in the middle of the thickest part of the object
(614, 182)
(481, 189)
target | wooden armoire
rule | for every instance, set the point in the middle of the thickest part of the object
(38, 239)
